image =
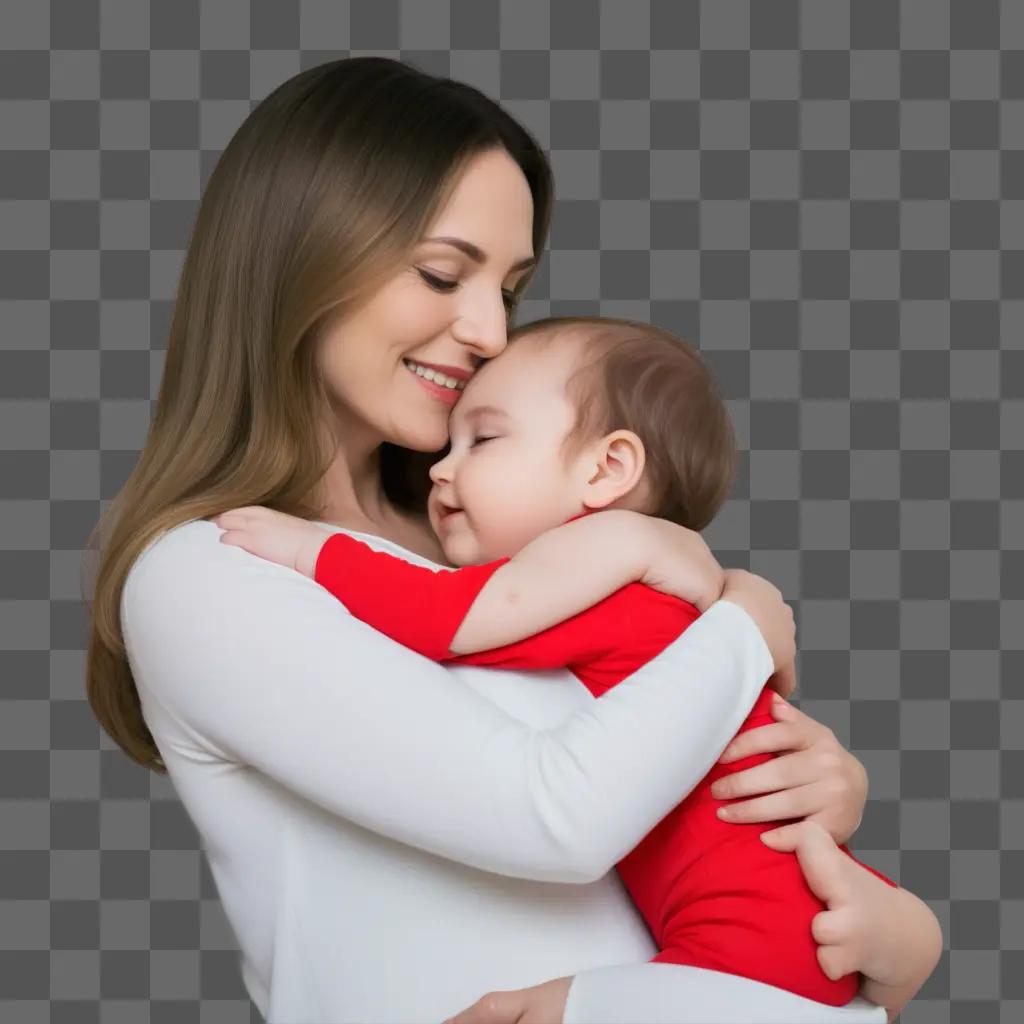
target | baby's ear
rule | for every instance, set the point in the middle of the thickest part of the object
(621, 459)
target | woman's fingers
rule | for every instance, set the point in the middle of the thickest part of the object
(539, 1004)
(825, 780)
(765, 739)
(493, 1008)
(800, 732)
(788, 803)
(784, 711)
(785, 772)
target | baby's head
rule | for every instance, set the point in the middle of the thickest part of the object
(578, 414)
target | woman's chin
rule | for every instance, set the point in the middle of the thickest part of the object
(428, 438)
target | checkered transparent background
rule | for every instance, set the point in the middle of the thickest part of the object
(827, 197)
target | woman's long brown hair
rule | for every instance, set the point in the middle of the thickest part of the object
(321, 194)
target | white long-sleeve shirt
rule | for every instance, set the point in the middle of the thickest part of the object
(391, 837)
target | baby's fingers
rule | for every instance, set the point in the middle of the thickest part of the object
(821, 861)
(833, 927)
(232, 517)
(836, 961)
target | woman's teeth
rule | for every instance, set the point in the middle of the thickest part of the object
(435, 375)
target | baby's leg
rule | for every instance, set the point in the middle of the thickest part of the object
(723, 900)
(885, 932)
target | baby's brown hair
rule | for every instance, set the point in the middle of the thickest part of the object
(635, 376)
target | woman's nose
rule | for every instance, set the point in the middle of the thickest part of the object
(484, 327)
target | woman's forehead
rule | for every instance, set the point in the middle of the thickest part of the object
(492, 205)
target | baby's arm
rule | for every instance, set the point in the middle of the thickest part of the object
(573, 566)
(482, 607)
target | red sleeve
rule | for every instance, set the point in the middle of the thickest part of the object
(420, 608)
(602, 644)
(587, 638)
(423, 609)
(889, 881)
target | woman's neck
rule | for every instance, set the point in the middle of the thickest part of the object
(353, 490)
(356, 500)
(405, 529)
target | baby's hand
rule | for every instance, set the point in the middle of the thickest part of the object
(680, 563)
(888, 934)
(287, 540)
(855, 897)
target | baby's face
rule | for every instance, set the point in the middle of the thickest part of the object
(503, 471)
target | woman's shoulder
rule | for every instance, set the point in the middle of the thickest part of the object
(192, 534)
(175, 550)
(212, 631)
(186, 567)
(218, 616)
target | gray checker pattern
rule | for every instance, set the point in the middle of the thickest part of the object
(827, 197)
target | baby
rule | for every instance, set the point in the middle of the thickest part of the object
(581, 435)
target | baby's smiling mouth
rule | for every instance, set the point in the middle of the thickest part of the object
(444, 511)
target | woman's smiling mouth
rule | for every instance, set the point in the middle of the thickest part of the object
(446, 385)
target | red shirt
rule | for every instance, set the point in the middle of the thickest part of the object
(711, 892)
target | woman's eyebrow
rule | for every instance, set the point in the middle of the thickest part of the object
(477, 254)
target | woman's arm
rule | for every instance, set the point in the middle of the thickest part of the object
(659, 993)
(263, 667)
(688, 995)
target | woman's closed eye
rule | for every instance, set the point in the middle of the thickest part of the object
(440, 284)
(480, 440)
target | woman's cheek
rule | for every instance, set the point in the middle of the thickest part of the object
(415, 313)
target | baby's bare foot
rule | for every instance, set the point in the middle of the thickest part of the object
(886, 933)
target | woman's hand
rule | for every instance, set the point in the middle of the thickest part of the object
(680, 563)
(276, 536)
(541, 1004)
(763, 602)
(815, 778)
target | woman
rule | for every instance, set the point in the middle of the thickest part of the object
(392, 838)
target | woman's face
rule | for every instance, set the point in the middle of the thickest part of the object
(442, 308)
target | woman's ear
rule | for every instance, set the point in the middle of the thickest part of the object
(616, 467)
